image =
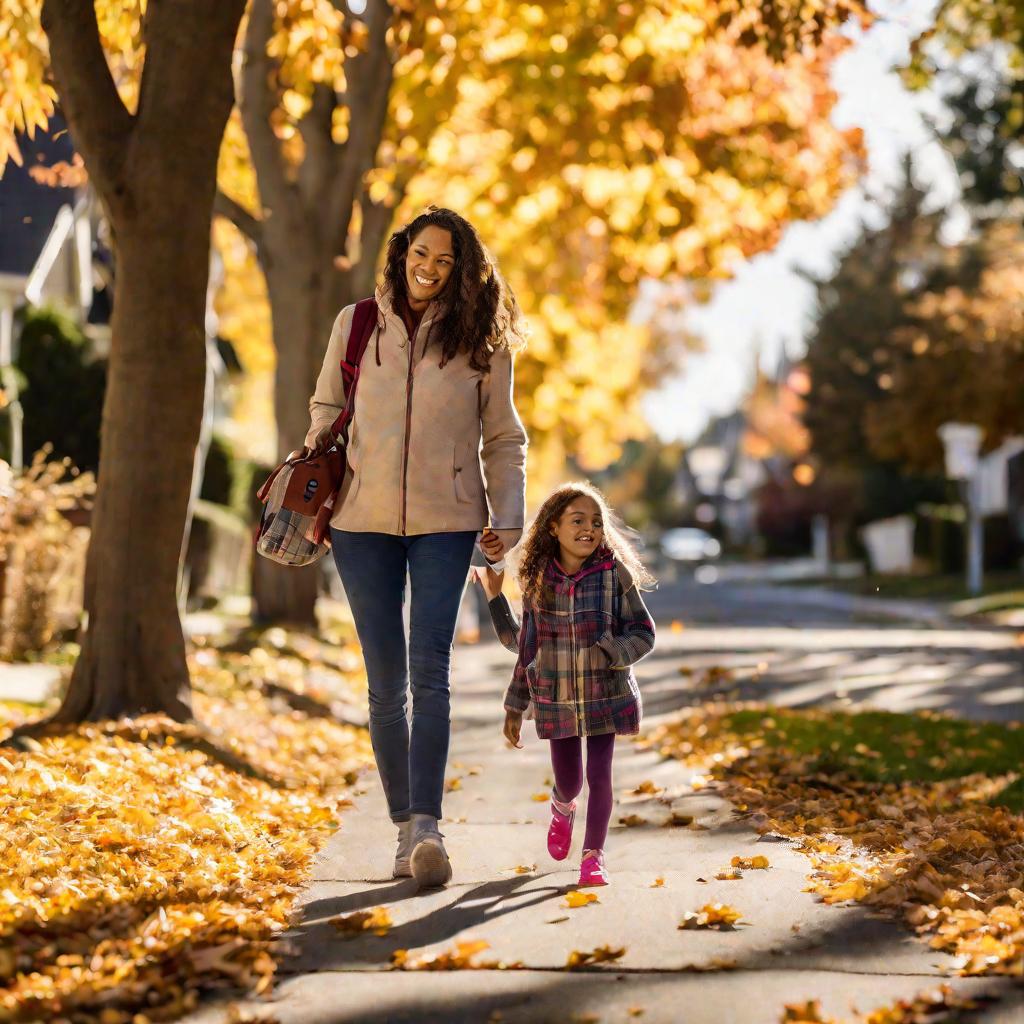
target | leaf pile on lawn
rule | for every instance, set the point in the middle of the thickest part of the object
(139, 869)
(917, 813)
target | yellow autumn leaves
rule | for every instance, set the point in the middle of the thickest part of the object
(134, 863)
(933, 851)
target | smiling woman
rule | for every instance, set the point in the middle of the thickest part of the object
(436, 455)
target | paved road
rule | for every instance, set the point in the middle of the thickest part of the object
(790, 948)
(797, 647)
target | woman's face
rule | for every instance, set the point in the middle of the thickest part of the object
(428, 265)
(580, 528)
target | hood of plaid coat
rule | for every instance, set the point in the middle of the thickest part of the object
(431, 449)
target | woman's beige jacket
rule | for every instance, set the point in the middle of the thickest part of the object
(431, 450)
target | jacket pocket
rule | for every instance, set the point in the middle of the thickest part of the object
(466, 474)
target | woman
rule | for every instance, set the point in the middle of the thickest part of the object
(434, 400)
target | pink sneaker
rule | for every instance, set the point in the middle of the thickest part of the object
(560, 829)
(592, 870)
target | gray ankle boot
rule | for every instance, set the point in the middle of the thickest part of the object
(402, 868)
(429, 860)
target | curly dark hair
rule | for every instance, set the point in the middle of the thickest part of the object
(481, 313)
(540, 546)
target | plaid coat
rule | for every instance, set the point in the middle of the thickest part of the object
(575, 647)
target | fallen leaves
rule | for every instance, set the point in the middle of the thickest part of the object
(579, 899)
(647, 787)
(524, 869)
(931, 850)
(731, 875)
(600, 955)
(712, 915)
(461, 957)
(757, 863)
(679, 820)
(377, 921)
(658, 883)
(138, 869)
(927, 1006)
(632, 820)
(541, 797)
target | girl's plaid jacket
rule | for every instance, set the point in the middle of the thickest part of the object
(576, 646)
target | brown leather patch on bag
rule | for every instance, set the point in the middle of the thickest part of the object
(312, 481)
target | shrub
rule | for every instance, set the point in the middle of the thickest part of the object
(42, 555)
(62, 389)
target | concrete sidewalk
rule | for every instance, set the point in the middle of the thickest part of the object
(509, 893)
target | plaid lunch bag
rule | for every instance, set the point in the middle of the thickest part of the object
(299, 496)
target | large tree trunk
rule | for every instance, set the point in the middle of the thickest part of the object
(156, 174)
(305, 232)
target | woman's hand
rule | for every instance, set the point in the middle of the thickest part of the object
(513, 727)
(323, 440)
(490, 580)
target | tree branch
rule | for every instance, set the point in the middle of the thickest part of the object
(257, 100)
(250, 226)
(186, 78)
(100, 123)
(319, 163)
(367, 97)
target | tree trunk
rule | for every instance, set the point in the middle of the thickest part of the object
(303, 234)
(302, 317)
(133, 654)
(156, 174)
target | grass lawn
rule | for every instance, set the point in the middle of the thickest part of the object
(881, 746)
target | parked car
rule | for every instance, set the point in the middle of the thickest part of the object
(689, 544)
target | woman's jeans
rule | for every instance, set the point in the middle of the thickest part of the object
(373, 571)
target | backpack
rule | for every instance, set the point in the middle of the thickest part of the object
(299, 496)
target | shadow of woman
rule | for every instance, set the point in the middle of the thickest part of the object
(318, 946)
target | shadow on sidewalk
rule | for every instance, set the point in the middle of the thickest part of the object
(323, 949)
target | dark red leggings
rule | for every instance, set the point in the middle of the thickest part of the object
(567, 762)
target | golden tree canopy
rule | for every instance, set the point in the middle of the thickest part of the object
(591, 143)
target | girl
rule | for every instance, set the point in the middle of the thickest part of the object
(434, 445)
(584, 626)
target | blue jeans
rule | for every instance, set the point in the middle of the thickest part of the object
(373, 567)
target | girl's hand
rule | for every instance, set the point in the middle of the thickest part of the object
(513, 727)
(490, 580)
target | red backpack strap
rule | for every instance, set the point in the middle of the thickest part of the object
(364, 321)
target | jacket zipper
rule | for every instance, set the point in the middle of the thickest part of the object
(572, 651)
(408, 427)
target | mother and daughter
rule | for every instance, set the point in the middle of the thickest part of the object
(434, 407)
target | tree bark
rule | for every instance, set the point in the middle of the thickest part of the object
(304, 230)
(155, 173)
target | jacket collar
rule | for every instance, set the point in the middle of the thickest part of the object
(385, 303)
(598, 561)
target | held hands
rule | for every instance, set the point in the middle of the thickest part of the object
(513, 727)
(492, 546)
(493, 549)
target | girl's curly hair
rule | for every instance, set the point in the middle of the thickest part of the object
(481, 313)
(540, 546)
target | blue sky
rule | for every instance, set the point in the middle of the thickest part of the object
(767, 307)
